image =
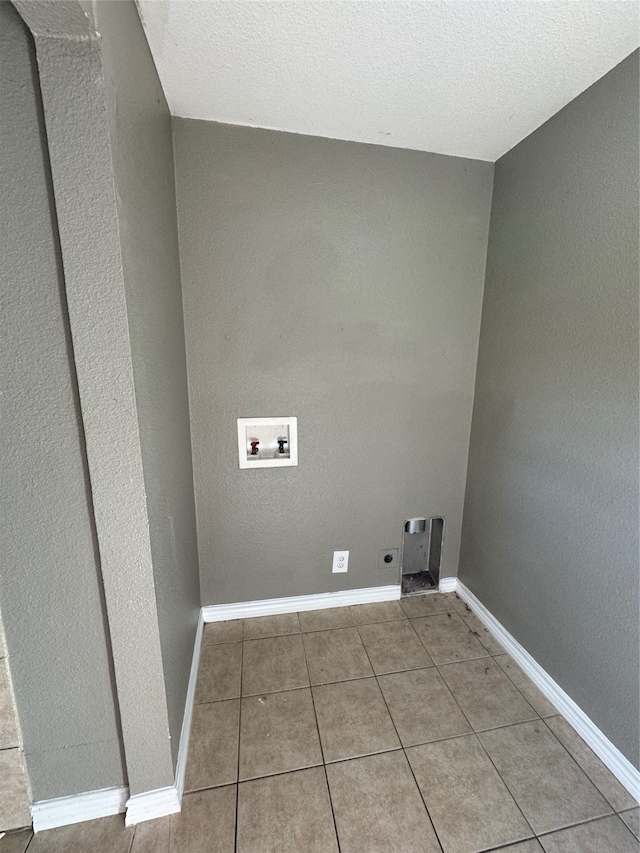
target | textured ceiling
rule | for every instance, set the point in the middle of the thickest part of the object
(469, 78)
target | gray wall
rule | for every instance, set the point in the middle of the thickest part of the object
(110, 154)
(142, 151)
(50, 584)
(550, 536)
(341, 283)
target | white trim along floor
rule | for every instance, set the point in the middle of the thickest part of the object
(152, 804)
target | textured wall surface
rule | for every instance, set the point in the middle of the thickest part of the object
(140, 128)
(50, 585)
(457, 77)
(550, 537)
(340, 283)
(72, 80)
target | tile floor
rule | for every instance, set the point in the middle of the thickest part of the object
(399, 727)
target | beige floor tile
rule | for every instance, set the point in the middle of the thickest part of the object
(487, 697)
(381, 611)
(274, 664)
(550, 788)
(530, 846)
(608, 835)
(469, 803)
(601, 776)
(8, 727)
(206, 823)
(432, 603)
(322, 620)
(219, 672)
(213, 746)
(271, 626)
(278, 733)
(336, 655)
(222, 632)
(422, 707)
(486, 637)
(447, 638)
(15, 842)
(152, 836)
(393, 646)
(14, 799)
(107, 835)
(632, 820)
(378, 808)
(353, 719)
(534, 697)
(286, 814)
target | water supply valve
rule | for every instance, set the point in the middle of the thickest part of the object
(267, 442)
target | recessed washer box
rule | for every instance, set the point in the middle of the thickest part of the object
(267, 442)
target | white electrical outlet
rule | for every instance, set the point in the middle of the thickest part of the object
(340, 561)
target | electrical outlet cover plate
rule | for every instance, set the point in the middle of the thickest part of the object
(340, 562)
(266, 432)
(393, 564)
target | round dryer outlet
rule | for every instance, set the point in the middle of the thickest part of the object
(388, 558)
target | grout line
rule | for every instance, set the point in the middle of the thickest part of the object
(506, 654)
(556, 713)
(402, 748)
(398, 672)
(475, 734)
(551, 832)
(509, 846)
(575, 760)
(382, 751)
(218, 701)
(473, 731)
(446, 663)
(577, 763)
(219, 785)
(542, 719)
(235, 834)
(368, 755)
(133, 835)
(503, 780)
(402, 618)
(271, 636)
(490, 654)
(468, 612)
(295, 770)
(535, 718)
(171, 818)
(324, 764)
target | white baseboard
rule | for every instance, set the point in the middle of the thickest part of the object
(183, 751)
(48, 814)
(609, 754)
(295, 603)
(166, 801)
(152, 804)
(61, 811)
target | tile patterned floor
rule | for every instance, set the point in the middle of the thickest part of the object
(383, 728)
